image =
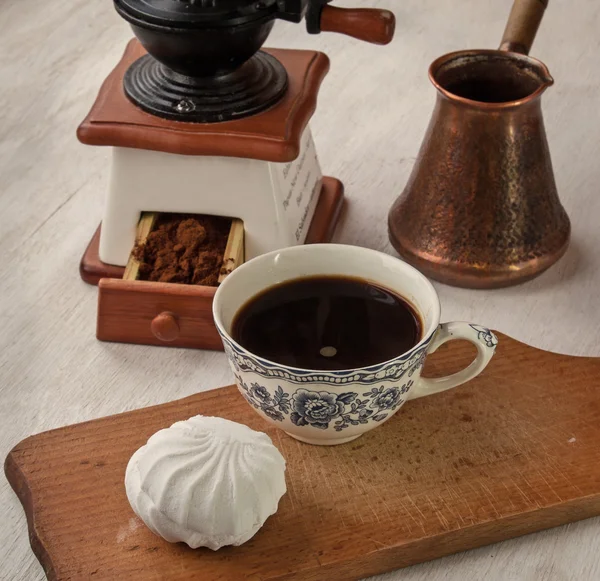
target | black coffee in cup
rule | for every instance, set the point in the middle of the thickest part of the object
(327, 323)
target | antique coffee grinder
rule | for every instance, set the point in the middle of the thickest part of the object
(201, 121)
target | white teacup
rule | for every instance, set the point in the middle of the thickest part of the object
(335, 407)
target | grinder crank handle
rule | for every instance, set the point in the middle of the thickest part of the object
(368, 24)
(523, 23)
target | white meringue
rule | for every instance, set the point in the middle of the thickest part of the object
(206, 481)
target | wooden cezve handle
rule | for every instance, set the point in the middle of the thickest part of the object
(368, 24)
(522, 26)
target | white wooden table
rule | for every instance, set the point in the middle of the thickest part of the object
(373, 110)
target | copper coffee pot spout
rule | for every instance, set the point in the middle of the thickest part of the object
(480, 209)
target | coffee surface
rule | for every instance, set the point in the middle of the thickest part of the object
(327, 323)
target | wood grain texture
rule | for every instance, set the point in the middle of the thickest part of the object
(373, 110)
(127, 310)
(273, 135)
(234, 251)
(327, 212)
(144, 227)
(505, 463)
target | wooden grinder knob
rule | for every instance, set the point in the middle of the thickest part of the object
(165, 327)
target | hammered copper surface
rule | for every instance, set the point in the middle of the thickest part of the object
(481, 209)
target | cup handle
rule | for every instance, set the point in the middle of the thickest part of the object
(481, 337)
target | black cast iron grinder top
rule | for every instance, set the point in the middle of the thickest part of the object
(203, 62)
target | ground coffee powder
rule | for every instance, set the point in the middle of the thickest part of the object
(184, 248)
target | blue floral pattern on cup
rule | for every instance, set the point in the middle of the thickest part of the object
(485, 335)
(272, 405)
(318, 409)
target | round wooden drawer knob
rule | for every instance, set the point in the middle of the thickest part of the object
(165, 326)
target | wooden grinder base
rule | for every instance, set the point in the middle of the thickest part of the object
(512, 452)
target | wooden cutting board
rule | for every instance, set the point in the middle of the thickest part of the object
(515, 451)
